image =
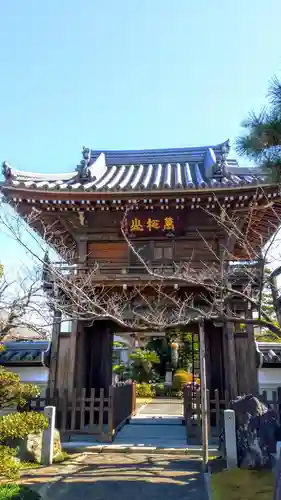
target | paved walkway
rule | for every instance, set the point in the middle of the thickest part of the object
(157, 428)
(158, 424)
(162, 407)
(159, 432)
(121, 477)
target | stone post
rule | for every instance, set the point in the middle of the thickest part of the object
(230, 439)
(48, 436)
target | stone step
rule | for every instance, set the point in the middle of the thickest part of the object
(157, 420)
(86, 447)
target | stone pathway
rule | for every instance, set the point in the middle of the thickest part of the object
(157, 424)
(120, 477)
(162, 407)
(148, 431)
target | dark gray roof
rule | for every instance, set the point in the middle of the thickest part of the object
(143, 170)
(270, 353)
(25, 353)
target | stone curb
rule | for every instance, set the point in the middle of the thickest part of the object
(84, 448)
(207, 480)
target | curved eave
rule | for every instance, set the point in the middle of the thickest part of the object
(24, 364)
(93, 195)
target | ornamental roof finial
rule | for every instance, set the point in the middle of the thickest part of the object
(84, 172)
(225, 148)
(6, 170)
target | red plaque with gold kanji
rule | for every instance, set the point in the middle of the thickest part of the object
(152, 223)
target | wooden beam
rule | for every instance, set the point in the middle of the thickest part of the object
(68, 227)
(82, 249)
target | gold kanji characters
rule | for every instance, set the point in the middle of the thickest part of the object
(136, 225)
(169, 224)
(152, 224)
(139, 225)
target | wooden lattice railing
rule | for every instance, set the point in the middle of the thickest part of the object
(90, 412)
(216, 407)
(193, 414)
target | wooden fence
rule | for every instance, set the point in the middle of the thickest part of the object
(216, 407)
(193, 414)
(94, 413)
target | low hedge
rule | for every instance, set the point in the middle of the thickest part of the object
(163, 391)
(145, 390)
(18, 425)
(180, 379)
(9, 464)
(17, 492)
(13, 427)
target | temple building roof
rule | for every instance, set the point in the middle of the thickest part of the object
(143, 170)
(270, 354)
(25, 353)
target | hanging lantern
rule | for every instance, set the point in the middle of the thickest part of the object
(174, 354)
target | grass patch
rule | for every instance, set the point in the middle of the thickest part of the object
(29, 465)
(242, 484)
(17, 492)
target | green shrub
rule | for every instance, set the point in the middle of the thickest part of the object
(145, 391)
(12, 391)
(160, 390)
(17, 492)
(180, 379)
(163, 391)
(19, 425)
(142, 365)
(16, 426)
(61, 457)
(9, 464)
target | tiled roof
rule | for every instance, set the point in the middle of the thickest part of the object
(143, 170)
(25, 353)
(270, 353)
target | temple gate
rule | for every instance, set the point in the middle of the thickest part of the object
(167, 201)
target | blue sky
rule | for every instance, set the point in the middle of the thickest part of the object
(129, 74)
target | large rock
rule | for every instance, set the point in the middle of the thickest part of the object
(30, 449)
(256, 430)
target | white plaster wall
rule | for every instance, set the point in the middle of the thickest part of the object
(269, 380)
(124, 355)
(32, 375)
(37, 375)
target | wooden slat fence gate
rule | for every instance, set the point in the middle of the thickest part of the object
(193, 414)
(216, 407)
(94, 413)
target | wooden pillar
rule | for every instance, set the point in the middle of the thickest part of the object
(99, 340)
(247, 372)
(54, 358)
(253, 378)
(80, 379)
(208, 341)
(230, 358)
(72, 356)
(214, 357)
(254, 383)
(203, 393)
